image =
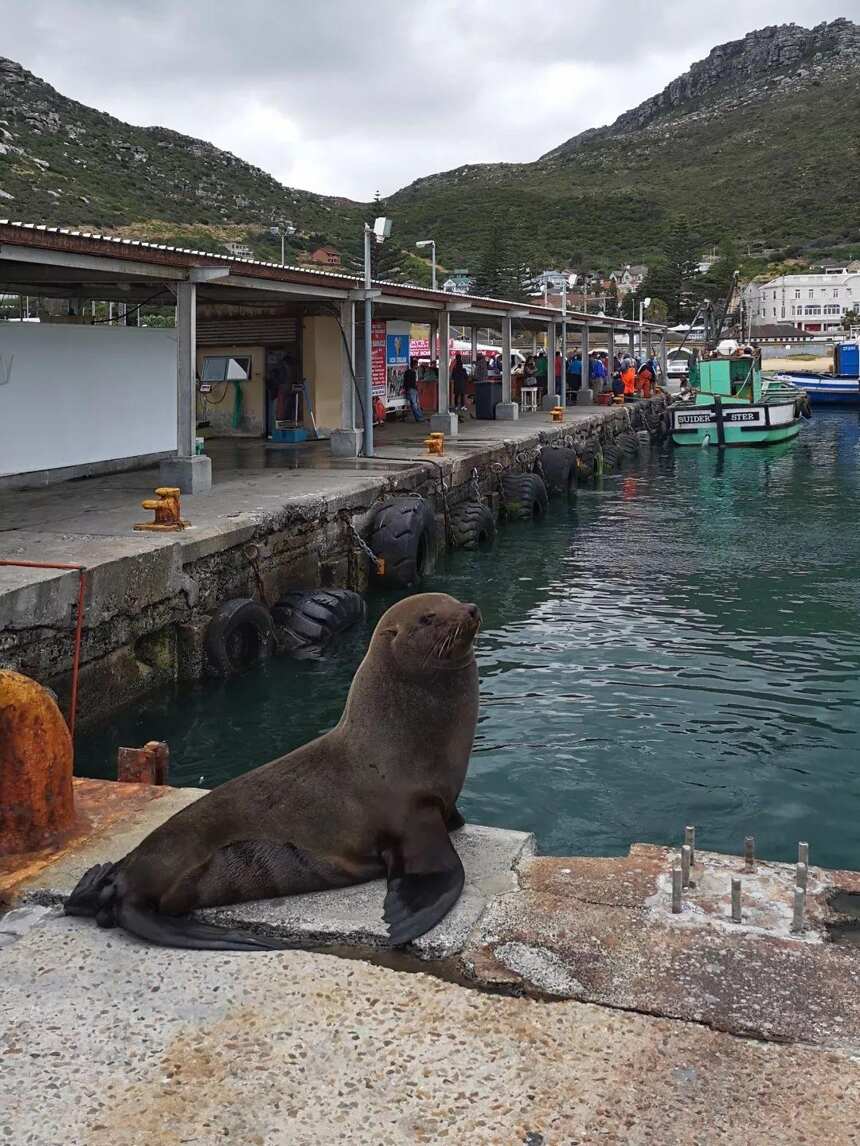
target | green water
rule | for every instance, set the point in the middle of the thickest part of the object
(680, 645)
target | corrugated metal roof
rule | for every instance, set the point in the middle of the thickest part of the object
(536, 311)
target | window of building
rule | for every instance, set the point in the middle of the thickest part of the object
(812, 293)
(836, 292)
(797, 294)
(783, 313)
(813, 310)
(226, 369)
(832, 308)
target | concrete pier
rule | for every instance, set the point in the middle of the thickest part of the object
(149, 596)
(561, 1001)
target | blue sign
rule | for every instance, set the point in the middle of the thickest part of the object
(397, 349)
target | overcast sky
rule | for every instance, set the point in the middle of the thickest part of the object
(347, 97)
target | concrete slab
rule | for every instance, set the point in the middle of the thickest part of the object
(601, 930)
(351, 916)
(107, 1042)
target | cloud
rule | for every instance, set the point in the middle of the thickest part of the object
(346, 98)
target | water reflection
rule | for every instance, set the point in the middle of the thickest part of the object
(679, 645)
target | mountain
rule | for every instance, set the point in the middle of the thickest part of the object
(63, 162)
(759, 143)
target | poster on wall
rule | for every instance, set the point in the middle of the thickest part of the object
(397, 360)
(377, 359)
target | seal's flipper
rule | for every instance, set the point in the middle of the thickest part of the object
(455, 820)
(425, 877)
(92, 891)
(183, 931)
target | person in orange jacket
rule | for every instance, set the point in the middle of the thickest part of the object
(628, 377)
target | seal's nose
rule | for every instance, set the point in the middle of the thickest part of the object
(474, 612)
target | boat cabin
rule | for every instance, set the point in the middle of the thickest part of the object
(735, 377)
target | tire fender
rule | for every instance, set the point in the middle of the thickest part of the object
(239, 635)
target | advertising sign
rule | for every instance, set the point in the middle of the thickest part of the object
(377, 359)
(398, 349)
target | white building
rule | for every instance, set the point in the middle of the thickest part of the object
(814, 303)
(239, 250)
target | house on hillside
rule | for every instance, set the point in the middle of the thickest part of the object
(325, 256)
(813, 303)
(458, 282)
(239, 250)
(629, 279)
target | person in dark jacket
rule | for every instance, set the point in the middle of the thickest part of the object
(410, 390)
(459, 378)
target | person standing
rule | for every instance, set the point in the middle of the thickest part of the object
(541, 372)
(410, 389)
(459, 378)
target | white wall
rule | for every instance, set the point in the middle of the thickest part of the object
(76, 394)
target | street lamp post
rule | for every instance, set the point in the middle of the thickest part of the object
(379, 232)
(644, 303)
(284, 229)
(431, 243)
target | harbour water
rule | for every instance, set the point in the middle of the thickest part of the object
(680, 645)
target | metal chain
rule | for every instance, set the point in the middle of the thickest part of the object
(362, 544)
(476, 487)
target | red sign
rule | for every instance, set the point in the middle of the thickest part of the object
(377, 359)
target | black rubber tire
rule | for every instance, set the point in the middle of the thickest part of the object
(404, 536)
(585, 461)
(610, 457)
(239, 635)
(559, 469)
(628, 444)
(472, 525)
(524, 497)
(313, 617)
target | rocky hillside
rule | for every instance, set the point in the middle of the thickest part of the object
(760, 142)
(63, 162)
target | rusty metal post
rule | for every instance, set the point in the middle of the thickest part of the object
(749, 853)
(677, 890)
(690, 841)
(686, 859)
(147, 765)
(737, 917)
(36, 801)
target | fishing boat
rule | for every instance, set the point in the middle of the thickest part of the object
(731, 404)
(839, 386)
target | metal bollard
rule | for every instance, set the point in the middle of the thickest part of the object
(36, 797)
(168, 513)
(799, 909)
(690, 841)
(803, 852)
(686, 855)
(677, 889)
(147, 765)
(801, 875)
(736, 900)
(749, 853)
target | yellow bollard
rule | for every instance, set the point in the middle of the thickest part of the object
(165, 506)
(557, 414)
(435, 443)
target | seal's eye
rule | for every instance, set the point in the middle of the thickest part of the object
(428, 618)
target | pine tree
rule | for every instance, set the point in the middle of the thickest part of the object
(502, 272)
(673, 277)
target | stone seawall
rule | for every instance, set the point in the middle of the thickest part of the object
(150, 597)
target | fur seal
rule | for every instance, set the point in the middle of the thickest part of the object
(374, 796)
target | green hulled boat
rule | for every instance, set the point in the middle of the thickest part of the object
(730, 404)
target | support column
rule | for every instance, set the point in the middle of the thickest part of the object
(563, 396)
(586, 394)
(610, 357)
(664, 364)
(474, 349)
(431, 343)
(345, 442)
(444, 421)
(551, 398)
(188, 472)
(631, 342)
(506, 410)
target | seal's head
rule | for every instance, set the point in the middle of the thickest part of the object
(430, 631)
